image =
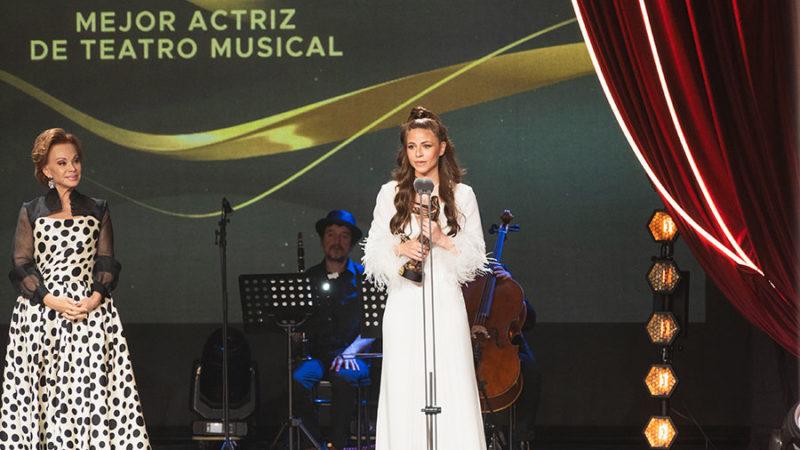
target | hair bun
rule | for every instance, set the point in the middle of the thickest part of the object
(420, 112)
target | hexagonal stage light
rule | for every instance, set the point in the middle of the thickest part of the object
(660, 432)
(662, 328)
(662, 227)
(660, 380)
(663, 276)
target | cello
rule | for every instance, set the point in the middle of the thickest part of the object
(496, 313)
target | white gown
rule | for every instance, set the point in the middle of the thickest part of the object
(401, 424)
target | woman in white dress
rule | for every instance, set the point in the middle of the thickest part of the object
(457, 254)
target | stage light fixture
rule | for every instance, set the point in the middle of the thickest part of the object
(662, 328)
(660, 380)
(207, 389)
(663, 276)
(788, 436)
(662, 227)
(660, 432)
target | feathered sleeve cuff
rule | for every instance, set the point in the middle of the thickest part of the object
(469, 259)
(381, 265)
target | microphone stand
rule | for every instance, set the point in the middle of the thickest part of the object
(222, 241)
(430, 409)
(301, 260)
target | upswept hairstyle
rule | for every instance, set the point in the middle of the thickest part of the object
(42, 145)
(450, 173)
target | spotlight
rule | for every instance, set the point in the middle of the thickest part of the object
(662, 328)
(330, 288)
(788, 436)
(660, 380)
(206, 390)
(662, 227)
(660, 432)
(663, 276)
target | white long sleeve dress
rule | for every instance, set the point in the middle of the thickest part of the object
(401, 424)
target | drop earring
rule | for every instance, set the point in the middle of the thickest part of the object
(50, 183)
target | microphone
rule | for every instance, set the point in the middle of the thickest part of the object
(226, 206)
(423, 186)
(301, 260)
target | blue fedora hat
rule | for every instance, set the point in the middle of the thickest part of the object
(343, 218)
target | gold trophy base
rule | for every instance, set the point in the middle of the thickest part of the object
(412, 270)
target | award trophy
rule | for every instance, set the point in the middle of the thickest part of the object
(412, 269)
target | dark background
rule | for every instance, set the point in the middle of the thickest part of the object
(553, 155)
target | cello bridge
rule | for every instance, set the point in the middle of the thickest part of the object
(479, 332)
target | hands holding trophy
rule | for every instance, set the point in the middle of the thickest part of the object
(412, 269)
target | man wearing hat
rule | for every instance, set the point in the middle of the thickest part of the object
(333, 332)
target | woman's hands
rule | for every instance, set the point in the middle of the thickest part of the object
(91, 302)
(411, 249)
(70, 309)
(66, 307)
(438, 238)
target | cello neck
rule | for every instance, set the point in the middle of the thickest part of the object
(485, 306)
(498, 244)
(502, 232)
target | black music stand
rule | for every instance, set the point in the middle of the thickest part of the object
(373, 303)
(288, 299)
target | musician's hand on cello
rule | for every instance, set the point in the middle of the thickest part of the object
(501, 272)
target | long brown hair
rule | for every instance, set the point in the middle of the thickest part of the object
(450, 172)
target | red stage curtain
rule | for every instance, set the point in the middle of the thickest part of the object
(728, 69)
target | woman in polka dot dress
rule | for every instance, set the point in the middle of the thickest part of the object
(68, 381)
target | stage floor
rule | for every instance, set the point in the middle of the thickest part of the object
(549, 438)
(536, 446)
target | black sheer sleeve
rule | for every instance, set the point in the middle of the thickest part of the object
(106, 268)
(24, 276)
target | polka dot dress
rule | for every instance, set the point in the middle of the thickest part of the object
(68, 384)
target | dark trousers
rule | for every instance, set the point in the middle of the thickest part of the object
(344, 386)
(528, 402)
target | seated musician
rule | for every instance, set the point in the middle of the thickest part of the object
(332, 333)
(527, 403)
